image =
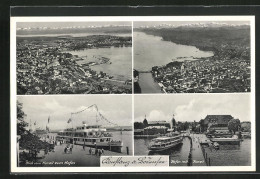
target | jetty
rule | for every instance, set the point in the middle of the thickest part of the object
(196, 152)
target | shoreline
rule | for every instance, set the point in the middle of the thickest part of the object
(102, 60)
(63, 66)
(225, 71)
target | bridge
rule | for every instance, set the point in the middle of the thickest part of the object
(144, 71)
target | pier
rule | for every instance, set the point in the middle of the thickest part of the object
(197, 154)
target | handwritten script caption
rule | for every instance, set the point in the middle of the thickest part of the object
(134, 161)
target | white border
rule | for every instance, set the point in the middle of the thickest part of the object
(16, 169)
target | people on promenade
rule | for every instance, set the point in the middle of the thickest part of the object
(99, 153)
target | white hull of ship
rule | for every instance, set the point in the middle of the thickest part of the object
(113, 146)
(159, 149)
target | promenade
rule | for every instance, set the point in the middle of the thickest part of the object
(78, 157)
(197, 155)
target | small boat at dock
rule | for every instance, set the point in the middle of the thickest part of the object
(216, 145)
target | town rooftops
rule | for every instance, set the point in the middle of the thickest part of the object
(156, 127)
(157, 122)
(219, 119)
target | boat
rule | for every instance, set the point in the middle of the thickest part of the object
(90, 135)
(168, 141)
(216, 145)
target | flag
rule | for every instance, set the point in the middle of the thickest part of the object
(49, 119)
(69, 120)
(35, 123)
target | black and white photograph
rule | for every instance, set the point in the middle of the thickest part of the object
(132, 94)
(192, 57)
(194, 130)
(72, 131)
(74, 57)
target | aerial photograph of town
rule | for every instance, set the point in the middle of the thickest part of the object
(70, 131)
(194, 130)
(192, 57)
(74, 58)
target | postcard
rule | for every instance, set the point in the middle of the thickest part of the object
(132, 94)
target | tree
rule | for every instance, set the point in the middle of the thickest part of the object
(186, 126)
(202, 126)
(234, 125)
(138, 125)
(21, 124)
(246, 127)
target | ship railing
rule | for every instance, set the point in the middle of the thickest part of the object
(115, 141)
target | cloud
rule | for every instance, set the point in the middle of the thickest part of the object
(154, 115)
(192, 107)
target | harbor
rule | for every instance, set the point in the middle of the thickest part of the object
(78, 140)
(201, 155)
(80, 155)
(214, 140)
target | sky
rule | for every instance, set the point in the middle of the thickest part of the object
(178, 23)
(68, 24)
(190, 107)
(116, 108)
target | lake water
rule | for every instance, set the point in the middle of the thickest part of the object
(227, 155)
(152, 51)
(231, 155)
(126, 137)
(121, 58)
(147, 83)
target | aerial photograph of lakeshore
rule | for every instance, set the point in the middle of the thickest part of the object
(72, 131)
(192, 57)
(74, 57)
(194, 130)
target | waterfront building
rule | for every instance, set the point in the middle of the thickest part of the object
(156, 127)
(159, 124)
(151, 127)
(218, 124)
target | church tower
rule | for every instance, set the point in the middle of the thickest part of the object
(145, 121)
